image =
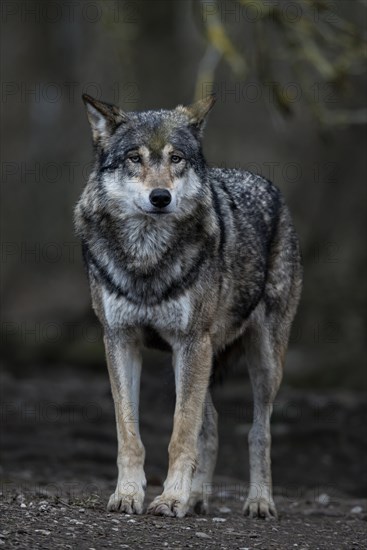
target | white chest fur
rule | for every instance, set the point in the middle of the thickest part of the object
(169, 315)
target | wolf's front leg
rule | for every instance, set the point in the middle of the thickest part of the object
(124, 366)
(192, 362)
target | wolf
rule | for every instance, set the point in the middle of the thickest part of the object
(202, 261)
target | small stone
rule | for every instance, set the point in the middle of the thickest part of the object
(131, 521)
(75, 522)
(23, 505)
(43, 531)
(225, 510)
(81, 510)
(323, 499)
(219, 520)
(201, 535)
(356, 510)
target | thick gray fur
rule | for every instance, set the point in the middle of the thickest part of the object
(216, 272)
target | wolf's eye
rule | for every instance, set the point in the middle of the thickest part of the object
(176, 159)
(135, 159)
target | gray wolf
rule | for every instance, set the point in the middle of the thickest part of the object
(204, 262)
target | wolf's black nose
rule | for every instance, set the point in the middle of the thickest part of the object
(160, 197)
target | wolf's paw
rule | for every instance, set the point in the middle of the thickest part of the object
(127, 499)
(169, 505)
(260, 508)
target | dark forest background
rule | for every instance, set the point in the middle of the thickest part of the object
(291, 88)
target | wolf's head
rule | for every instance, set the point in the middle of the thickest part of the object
(150, 163)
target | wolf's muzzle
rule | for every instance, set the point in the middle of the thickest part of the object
(160, 197)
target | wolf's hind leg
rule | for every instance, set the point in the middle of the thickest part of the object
(265, 364)
(207, 456)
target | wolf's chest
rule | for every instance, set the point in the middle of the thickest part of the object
(169, 315)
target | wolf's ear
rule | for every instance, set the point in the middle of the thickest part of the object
(198, 112)
(103, 118)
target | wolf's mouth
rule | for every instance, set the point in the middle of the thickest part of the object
(155, 212)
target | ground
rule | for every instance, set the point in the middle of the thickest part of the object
(58, 466)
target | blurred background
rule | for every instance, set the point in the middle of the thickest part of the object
(290, 82)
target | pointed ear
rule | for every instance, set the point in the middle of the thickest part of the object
(198, 112)
(103, 118)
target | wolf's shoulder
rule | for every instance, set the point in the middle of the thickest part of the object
(245, 190)
(242, 184)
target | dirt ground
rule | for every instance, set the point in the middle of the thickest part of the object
(59, 451)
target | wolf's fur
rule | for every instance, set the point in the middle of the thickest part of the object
(216, 270)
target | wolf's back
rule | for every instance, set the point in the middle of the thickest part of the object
(250, 197)
(260, 247)
(256, 221)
